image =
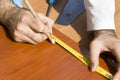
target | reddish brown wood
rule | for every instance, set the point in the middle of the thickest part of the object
(44, 61)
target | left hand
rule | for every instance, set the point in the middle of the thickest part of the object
(105, 41)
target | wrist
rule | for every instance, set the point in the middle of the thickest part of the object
(9, 13)
(12, 16)
(102, 33)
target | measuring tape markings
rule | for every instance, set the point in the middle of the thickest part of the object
(79, 56)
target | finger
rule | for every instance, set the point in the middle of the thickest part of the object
(94, 56)
(34, 23)
(45, 19)
(49, 22)
(47, 32)
(34, 14)
(116, 52)
(39, 26)
(26, 30)
(19, 37)
(117, 75)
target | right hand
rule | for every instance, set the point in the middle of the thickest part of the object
(31, 30)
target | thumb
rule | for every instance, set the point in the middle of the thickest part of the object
(49, 22)
(94, 57)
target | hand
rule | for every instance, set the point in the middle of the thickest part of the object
(29, 29)
(105, 41)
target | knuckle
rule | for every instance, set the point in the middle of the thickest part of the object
(24, 18)
(92, 43)
(95, 42)
(52, 22)
(20, 27)
(15, 34)
(27, 18)
(37, 38)
(16, 39)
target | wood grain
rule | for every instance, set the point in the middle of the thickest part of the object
(44, 61)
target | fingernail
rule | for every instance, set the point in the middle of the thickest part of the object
(93, 68)
(53, 41)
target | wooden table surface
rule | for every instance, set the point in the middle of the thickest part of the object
(44, 61)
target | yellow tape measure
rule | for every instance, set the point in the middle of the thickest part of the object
(79, 56)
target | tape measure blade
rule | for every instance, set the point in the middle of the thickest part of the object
(79, 56)
(105, 73)
(73, 51)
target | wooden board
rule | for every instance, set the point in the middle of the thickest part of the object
(44, 61)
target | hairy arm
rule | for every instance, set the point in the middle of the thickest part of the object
(6, 10)
(9, 13)
(22, 25)
(5, 5)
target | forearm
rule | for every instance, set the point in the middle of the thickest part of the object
(5, 7)
(9, 13)
(100, 14)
